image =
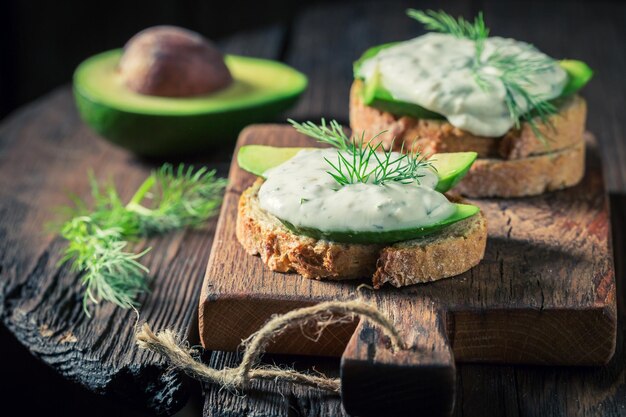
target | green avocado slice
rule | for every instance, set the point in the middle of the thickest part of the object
(257, 159)
(164, 126)
(579, 74)
(375, 95)
(450, 167)
(463, 211)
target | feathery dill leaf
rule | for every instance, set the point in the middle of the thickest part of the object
(360, 161)
(97, 238)
(108, 271)
(332, 134)
(180, 198)
(440, 21)
(514, 73)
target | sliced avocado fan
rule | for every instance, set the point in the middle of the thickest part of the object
(450, 168)
(375, 95)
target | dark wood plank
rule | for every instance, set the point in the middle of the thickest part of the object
(270, 399)
(420, 380)
(46, 153)
(553, 391)
(482, 390)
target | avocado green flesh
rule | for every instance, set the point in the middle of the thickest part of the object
(375, 95)
(259, 158)
(450, 167)
(162, 126)
(463, 211)
(579, 74)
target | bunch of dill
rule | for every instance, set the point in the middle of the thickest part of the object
(169, 199)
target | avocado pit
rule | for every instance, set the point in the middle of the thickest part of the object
(170, 61)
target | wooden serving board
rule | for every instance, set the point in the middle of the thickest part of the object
(543, 294)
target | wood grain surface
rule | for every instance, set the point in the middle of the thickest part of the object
(482, 390)
(46, 153)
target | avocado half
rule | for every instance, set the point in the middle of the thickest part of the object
(163, 126)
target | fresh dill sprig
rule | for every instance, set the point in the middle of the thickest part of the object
(404, 169)
(360, 161)
(332, 134)
(352, 164)
(97, 238)
(108, 271)
(180, 198)
(514, 70)
(440, 21)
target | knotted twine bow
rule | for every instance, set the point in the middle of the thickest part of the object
(167, 344)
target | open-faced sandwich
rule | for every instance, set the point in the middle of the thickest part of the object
(455, 89)
(354, 210)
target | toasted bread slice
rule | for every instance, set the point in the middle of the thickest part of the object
(449, 252)
(525, 177)
(433, 136)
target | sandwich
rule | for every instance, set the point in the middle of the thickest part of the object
(455, 89)
(355, 210)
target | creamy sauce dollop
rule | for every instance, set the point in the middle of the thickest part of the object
(435, 71)
(302, 192)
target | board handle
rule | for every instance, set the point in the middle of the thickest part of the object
(418, 380)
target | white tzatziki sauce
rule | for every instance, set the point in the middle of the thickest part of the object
(436, 71)
(302, 192)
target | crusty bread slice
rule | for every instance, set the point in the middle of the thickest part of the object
(525, 177)
(433, 136)
(450, 252)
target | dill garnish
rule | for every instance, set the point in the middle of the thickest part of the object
(356, 155)
(513, 71)
(98, 237)
(331, 134)
(440, 21)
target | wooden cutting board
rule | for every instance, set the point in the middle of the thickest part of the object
(543, 294)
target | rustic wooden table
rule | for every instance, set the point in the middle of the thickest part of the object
(46, 151)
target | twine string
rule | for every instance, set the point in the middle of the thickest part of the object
(167, 344)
